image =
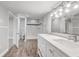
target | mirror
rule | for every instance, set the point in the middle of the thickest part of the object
(58, 25)
(67, 24)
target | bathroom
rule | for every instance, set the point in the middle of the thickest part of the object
(39, 28)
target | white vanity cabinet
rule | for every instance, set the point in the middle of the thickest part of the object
(52, 51)
(46, 49)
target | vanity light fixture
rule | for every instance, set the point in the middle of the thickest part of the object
(60, 11)
(56, 15)
(64, 7)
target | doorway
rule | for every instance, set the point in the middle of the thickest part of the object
(21, 29)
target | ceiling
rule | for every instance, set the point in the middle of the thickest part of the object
(31, 8)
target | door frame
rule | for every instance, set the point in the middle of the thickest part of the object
(14, 18)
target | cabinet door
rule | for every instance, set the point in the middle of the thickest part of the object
(42, 46)
(50, 50)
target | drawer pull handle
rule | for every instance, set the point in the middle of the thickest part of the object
(40, 52)
(50, 50)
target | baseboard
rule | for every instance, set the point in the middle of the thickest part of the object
(3, 53)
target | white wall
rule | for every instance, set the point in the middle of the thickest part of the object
(4, 20)
(11, 30)
(15, 27)
(44, 24)
(58, 25)
(11, 27)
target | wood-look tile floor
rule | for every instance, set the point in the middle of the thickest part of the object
(26, 49)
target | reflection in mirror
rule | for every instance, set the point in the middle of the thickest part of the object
(68, 25)
(58, 25)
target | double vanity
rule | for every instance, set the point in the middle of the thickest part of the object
(51, 45)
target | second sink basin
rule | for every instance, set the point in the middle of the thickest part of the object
(67, 43)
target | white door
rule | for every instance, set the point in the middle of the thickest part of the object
(21, 28)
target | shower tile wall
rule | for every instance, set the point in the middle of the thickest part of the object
(32, 29)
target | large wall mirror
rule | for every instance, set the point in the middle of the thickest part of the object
(66, 19)
(72, 25)
(58, 25)
(68, 25)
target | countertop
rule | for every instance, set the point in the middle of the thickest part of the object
(69, 47)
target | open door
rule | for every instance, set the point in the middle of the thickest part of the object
(21, 28)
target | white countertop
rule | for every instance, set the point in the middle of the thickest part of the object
(69, 47)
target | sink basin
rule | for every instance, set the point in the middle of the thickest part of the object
(67, 43)
(68, 36)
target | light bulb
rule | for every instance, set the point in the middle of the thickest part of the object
(55, 13)
(76, 6)
(68, 5)
(60, 9)
(67, 10)
(56, 16)
(51, 14)
(60, 13)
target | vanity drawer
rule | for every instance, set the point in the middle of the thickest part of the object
(42, 49)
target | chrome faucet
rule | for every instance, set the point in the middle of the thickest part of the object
(75, 38)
